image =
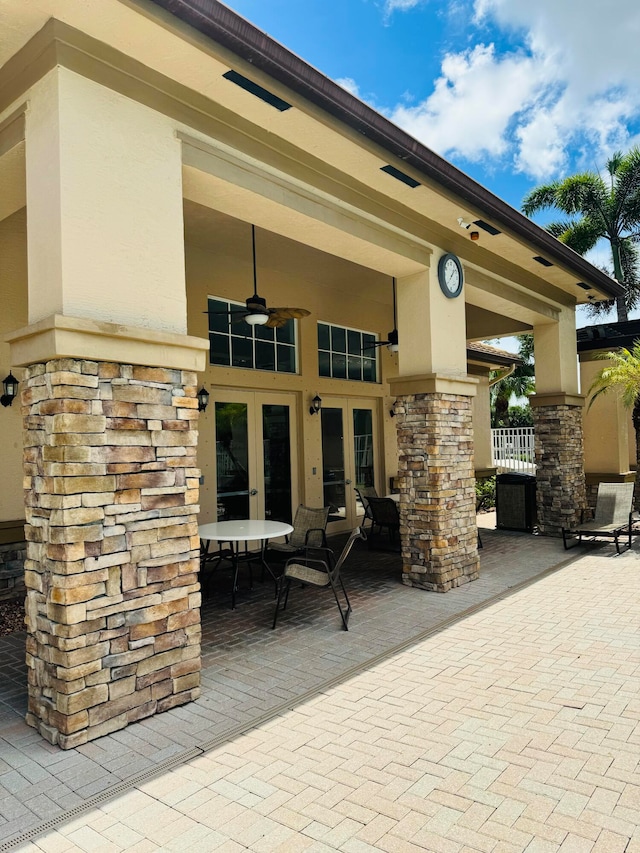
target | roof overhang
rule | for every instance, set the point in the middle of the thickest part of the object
(222, 25)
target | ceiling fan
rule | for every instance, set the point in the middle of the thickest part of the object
(257, 313)
(392, 337)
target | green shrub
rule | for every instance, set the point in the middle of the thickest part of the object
(486, 493)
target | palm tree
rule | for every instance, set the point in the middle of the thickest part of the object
(623, 375)
(599, 209)
(518, 382)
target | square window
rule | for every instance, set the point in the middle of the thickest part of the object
(218, 315)
(265, 355)
(241, 352)
(354, 342)
(286, 358)
(286, 334)
(369, 370)
(339, 364)
(324, 337)
(338, 339)
(219, 349)
(354, 364)
(324, 363)
(368, 342)
(264, 333)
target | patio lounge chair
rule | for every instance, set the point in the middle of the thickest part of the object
(384, 513)
(321, 573)
(309, 528)
(613, 516)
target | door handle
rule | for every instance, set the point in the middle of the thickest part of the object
(348, 482)
(253, 492)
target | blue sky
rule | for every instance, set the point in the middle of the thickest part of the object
(514, 92)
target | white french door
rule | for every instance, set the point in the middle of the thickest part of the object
(349, 457)
(256, 457)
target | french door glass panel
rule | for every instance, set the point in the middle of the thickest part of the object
(255, 454)
(333, 474)
(276, 441)
(349, 457)
(232, 460)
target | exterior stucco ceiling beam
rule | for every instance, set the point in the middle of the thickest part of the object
(245, 190)
(505, 299)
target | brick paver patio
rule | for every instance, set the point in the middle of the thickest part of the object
(505, 727)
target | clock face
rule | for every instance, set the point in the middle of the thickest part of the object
(450, 275)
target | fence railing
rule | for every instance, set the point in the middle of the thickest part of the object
(512, 449)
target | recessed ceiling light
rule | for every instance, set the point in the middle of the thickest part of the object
(259, 91)
(584, 286)
(400, 176)
(543, 261)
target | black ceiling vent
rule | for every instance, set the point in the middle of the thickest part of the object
(401, 176)
(486, 227)
(259, 91)
(584, 286)
(543, 261)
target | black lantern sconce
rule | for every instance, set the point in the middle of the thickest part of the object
(203, 399)
(10, 385)
(316, 405)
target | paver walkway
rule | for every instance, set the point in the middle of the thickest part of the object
(491, 734)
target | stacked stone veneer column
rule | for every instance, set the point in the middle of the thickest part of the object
(113, 597)
(437, 490)
(560, 480)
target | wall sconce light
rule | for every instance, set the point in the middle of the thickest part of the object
(10, 385)
(203, 399)
(316, 405)
(392, 412)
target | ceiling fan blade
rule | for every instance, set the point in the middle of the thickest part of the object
(376, 344)
(289, 313)
(275, 321)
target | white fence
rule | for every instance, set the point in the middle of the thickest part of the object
(513, 450)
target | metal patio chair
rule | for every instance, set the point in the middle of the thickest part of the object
(309, 526)
(364, 493)
(613, 516)
(384, 514)
(321, 573)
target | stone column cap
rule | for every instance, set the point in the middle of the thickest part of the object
(59, 336)
(557, 398)
(434, 383)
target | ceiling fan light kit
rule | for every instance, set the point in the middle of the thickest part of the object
(257, 313)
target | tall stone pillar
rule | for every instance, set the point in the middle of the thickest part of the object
(435, 437)
(111, 493)
(557, 411)
(437, 490)
(110, 415)
(560, 479)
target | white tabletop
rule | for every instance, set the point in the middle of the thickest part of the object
(243, 530)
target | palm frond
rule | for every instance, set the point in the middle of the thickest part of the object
(621, 375)
(540, 198)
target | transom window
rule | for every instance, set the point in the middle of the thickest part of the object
(346, 353)
(234, 343)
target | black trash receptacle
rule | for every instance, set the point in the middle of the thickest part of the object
(515, 501)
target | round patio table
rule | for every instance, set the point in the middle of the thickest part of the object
(243, 530)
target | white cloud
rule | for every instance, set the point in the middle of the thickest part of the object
(350, 85)
(400, 5)
(572, 86)
(473, 103)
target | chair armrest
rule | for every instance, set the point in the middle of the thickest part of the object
(323, 538)
(307, 561)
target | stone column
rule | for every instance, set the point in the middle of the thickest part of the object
(437, 490)
(111, 494)
(557, 410)
(560, 479)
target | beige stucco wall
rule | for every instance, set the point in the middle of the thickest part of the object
(13, 290)
(607, 445)
(481, 409)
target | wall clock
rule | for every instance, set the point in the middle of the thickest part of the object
(450, 275)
